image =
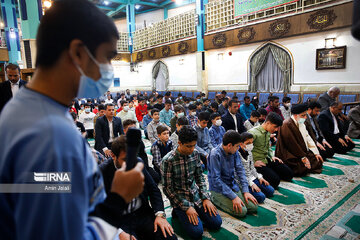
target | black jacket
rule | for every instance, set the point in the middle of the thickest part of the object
(229, 124)
(151, 190)
(6, 93)
(326, 124)
(102, 135)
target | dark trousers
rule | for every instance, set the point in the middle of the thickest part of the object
(299, 168)
(196, 231)
(140, 224)
(90, 133)
(338, 148)
(327, 153)
(274, 171)
(154, 174)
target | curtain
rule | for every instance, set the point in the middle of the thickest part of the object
(270, 78)
(256, 64)
(160, 76)
(283, 60)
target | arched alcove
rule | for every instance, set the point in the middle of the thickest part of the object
(160, 76)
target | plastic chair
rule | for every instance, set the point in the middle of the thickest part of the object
(307, 96)
(295, 98)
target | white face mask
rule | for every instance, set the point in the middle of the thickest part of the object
(287, 104)
(180, 115)
(193, 114)
(126, 108)
(218, 122)
(249, 147)
(301, 120)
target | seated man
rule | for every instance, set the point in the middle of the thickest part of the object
(125, 113)
(246, 108)
(232, 120)
(286, 108)
(141, 153)
(185, 186)
(332, 129)
(274, 106)
(312, 126)
(216, 131)
(295, 146)
(224, 162)
(329, 97)
(151, 127)
(272, 168)
(258, 186)
(354, 127)
(193, 120)
(203, 145)
(161, 147)
(183, 121)
(143, 221)
(253, 121)
(166, 114)
(179, 112)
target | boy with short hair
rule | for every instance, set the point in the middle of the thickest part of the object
(166, 114)
(183, 121)
(151, 127)
(253, 121)
(258, 186)
(191, 202)
(161, 147)
(192, 115)
(286, 107)
(146, 120)
(203, 145)
(216, 131)
(199, 106)
(141, 110)
(179, 112)
(224, 162)
(159, 105)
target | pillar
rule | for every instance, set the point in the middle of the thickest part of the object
(202, 80)
(8, 10)
(130, 20)
(30, 15)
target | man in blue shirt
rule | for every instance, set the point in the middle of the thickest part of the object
(166, 114)
(72, 60)
(224, 161)
(246, 108)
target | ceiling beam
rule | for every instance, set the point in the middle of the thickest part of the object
(148, 4)
(119, 1)
(117, 10)
(105, 7)
(167, 2)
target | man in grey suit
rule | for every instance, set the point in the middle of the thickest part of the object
(327, 98)
(354, 117)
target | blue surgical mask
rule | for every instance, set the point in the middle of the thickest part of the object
(88, 87)
(180, 115)
(302, 120)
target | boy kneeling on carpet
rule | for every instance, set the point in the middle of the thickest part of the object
(185, 186)
(224, 161)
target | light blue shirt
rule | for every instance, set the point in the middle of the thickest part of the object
(203, 144)
(166, 116)
(45, 139)
(221, 175)
(216, 135)
(245, 111)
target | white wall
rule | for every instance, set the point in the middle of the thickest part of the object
(231, 73)
(179, 10)
(181, 73)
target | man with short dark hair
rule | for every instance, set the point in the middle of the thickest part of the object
(161, 147)
(312, 126)
(107, 128)
(333, 130)
(166, 114)
(185, 186)
(232, 119)
(75, 45)
(246, 108)
(9, 89)
(272, 168)
(87, 118)
(159, 105)
(223, 107)
(286, 107)
(274, 106)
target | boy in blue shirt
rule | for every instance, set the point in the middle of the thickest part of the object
(203, 144)
(224, 161)
(246, 108)
(216, 131)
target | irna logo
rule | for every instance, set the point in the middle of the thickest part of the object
(52, 177)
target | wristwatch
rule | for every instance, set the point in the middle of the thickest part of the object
(161, 214)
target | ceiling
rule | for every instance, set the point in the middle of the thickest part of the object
(117, 8)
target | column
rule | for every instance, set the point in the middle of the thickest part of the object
(130, 20)
(31, 13)
(12, 39)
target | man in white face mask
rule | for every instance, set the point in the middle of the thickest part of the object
(295, 146)
(286, 107)
(125, 113)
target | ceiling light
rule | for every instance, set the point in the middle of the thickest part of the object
(137, 7)
(47, 4)
(106, 2)
(178, 1)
